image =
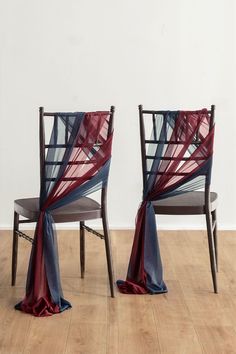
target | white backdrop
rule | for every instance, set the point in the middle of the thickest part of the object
(86, 55)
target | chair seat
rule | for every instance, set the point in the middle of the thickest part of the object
(83, 209)
(190, 203)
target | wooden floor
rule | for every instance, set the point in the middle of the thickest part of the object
(189, 319)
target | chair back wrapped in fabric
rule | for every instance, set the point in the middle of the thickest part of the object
(177, 158)
(75, 159)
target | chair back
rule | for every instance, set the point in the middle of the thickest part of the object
(56, 131)
(176, 144)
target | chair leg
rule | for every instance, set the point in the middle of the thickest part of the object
(108, 252)
(214, 220)
(211, 249)
(14, 248)
(82, 249)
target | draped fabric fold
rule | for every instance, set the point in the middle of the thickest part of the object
(77, 164)
(179, 160)
(145, 259)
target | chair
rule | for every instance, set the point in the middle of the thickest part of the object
(188, 200)
(81, 209)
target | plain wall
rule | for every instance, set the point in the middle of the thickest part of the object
(81, 55)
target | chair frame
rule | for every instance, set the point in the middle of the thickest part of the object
(210, 215)
(101, 214)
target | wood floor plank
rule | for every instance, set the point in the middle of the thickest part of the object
(171, 307)
(87, 333)
(5, 259)
(217, 339)
(137, 330)
(112, 334)
(178, 338)
(174, 323)
(48, 334)
(86, 338)
(14, 325)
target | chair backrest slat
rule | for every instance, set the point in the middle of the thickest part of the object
(59, 163)
(167, 173)
(172, 158)
(57, 146)
(171, 142)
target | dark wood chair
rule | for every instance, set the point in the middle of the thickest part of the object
(81, 210)
(189, 203)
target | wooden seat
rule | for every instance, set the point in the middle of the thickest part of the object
(189, 203)
(83, 209)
